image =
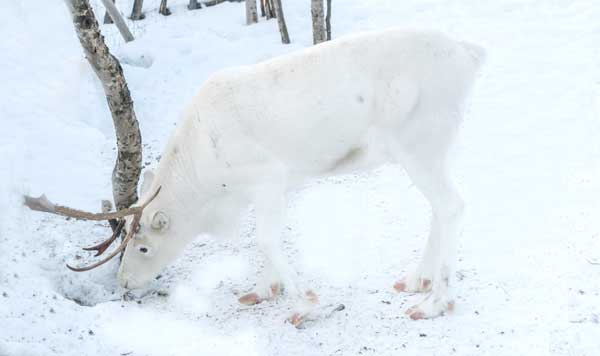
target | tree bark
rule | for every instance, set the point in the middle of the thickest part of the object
(251, 14)
(269, 9)
(328, 20)
(136, 11)
(262, 8)
(193, 5)
(213, 2)
(318, 21)
(163, 9)
(107, 18)
(128, 166)
(285, 37)
(272, 7)
(118, 19)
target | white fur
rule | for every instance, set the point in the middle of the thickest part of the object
(254, 132)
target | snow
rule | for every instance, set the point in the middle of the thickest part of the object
(528, 165)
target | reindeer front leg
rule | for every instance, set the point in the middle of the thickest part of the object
(270, 208)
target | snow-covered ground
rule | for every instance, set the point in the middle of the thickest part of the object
(528, 165)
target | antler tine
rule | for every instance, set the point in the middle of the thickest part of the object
(143, 206)
(130, 233)
(132, 230)
(101, 247)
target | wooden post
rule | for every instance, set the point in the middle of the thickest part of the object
(193, 5)
(118, 19)
(163, 9)
(107, 18)
(136, 11)
(251, 14)
(270, 12)
(213, 2)
(318, 21)
(328, 20)
(285, 37)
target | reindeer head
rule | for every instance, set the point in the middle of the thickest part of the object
(145, 227)
(150, 250)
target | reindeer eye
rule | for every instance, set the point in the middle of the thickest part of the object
(143, 249)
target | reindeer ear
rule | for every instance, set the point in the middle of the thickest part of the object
(160, 221)
(147, 181)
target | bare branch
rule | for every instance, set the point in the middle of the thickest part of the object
(593, 261)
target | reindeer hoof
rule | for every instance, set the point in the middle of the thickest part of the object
(296, 319)
(312, 297)
(250, 299)
(413, 285)
(256, 298)
(430, 308)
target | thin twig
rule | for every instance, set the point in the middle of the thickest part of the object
(594, 262)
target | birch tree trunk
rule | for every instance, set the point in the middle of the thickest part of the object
(285, 37)
(318, 21)
(251, 14)
(328, 20)
(136, 11)
(126, 172)
(262, 8)
(193, 5)
(163, 9)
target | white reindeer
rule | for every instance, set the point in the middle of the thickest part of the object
(252, 133)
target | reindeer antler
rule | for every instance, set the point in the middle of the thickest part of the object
(130, 233)
(102, 246)
(44, 205)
